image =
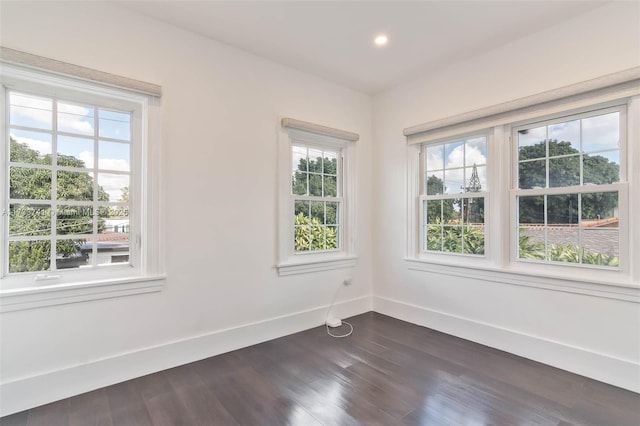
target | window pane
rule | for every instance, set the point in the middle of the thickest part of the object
(331, 237)
(113, 124)
(600, 229)
(532, 174)
(601, 132)
(75, 118)
(531, 228)
(564, 171)
(317, 212)
(454, 154)
(315, 184)
(31, 184)
(332, 213)
(330, 163)
(300, 183)
(531, 143)
(330, 186)
(453, 181)
(72, 253)
(74, 220)
(301, 207)
(30, 147)
(562, 209)
(299, 158)
(30, 111)
(75, 185)
(433, 211)
(29, 256)
(601, 168)
(112, 187)
(75, 152)
(435, 157)
(302, 238)
(473, 239)
(434, 238)
(114, 156)
(452, 239)
(476, 179)
(476, 152)
(113, 238)
(315, 160)
(531, 210)
(26, 220)
(435, 183)
(474, 210)
(564, 138)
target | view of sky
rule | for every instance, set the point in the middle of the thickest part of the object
(453, 163)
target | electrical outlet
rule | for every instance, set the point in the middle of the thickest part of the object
(347, 281)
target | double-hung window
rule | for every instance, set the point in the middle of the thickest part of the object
(532, 191)
(316, 198)
(79, 207)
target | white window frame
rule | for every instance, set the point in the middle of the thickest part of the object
(144, 273)
(500, 263)
(290, 262)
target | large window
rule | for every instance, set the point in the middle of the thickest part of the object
(453, 196)
(317, 209)
(568, 188)
(80, 213)
(69, 183)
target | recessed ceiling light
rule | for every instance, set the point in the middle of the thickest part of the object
(381, 40)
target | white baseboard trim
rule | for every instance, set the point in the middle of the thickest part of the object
(28, 392)
(605, 368)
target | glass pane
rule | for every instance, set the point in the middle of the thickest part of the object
(454, 154)
(26, 220)
(299, 183)
(476, 178)
(113, 239)
(452, 239)
(435, 183)
(531, 228)
(562, 234)
(75, 118)
(601, 132)
(434, 238)
(330, 186)
(30, 147)
(433, 211)
(75, 152)
(532, 174)
(29, 256)
(315, 160)
(112, 187)
(75, 185)
(331, 237)
(114, 156)
(450, 210)
(74, 220)
(562, 209)
(474, 210)
(531, 210)
(30, 111)
(315, 184)
(317, 213)
(301, 207)
(453, 181)
(531, 143)
(435, 157)
(30, 184)
(600, 229)
(564, 138)
(564, 171)
(476, 152)
(299, 158)
(72, 253)
(116, 125)
(330, 163)
(332, 213)
(473, 239)
(302, 238)
(601, 168)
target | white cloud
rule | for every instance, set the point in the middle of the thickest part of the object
(40, 146)
(113, 184)
(71, 118)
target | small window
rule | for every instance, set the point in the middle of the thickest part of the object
(317, 212)
(454, 188)
(568, 189)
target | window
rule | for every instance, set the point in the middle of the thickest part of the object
(453, 196)
(568, 188)
(78, 221)
(316, 212)
(542, 181)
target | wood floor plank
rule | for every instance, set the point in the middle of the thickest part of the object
(388, 372)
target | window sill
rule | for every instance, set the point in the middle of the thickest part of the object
(37, 297)
(618, 288)
(304, 267)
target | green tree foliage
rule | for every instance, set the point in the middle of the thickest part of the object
(443, 210)
(310, 235)
(36, 220)
(564, 171)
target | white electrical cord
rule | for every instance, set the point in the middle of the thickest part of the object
(338, 336)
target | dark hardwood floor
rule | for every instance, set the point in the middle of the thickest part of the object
(388, 372)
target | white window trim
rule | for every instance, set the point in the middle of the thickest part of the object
(23, 291)
(499, 264)
(289, 262)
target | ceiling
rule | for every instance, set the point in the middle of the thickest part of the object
(334, 39)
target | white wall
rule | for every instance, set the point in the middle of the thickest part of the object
(590, 335)
(220, 122)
